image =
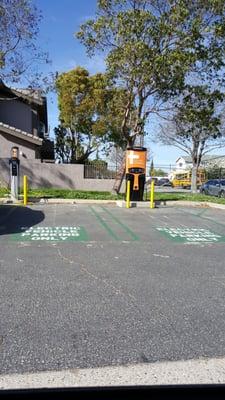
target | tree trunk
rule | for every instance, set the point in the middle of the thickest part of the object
(130, 141)
(194, 178)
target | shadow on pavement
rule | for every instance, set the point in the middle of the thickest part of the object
(14, 218)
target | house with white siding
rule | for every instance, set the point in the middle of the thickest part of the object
(184, 163)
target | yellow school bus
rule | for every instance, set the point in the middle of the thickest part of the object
(183, 179)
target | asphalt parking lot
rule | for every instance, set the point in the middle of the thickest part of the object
(90, 286)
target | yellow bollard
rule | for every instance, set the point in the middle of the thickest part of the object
(152, 205)
(128, 195)
(25, 190)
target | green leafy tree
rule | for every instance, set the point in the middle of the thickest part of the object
(152, 172)
(215, 171)
(19, 52)
(90, 111)
(80, 99)
(151, 47)
(197, 127)
(63, 145)
(159, 172)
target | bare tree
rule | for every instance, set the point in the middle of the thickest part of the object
(197, 126)
(20, 55)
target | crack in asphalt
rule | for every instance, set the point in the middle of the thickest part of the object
(97, 278)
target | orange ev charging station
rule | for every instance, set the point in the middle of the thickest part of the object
(135, 171)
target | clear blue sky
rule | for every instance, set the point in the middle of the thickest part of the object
(61, 19)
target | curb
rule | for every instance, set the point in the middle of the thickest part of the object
(119, 203)
(203, 204)
(58, 201)
(167, 203)
(72, 201)
(133, 204)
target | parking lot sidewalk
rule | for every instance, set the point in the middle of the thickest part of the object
(121, 203)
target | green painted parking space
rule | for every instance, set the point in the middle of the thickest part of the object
(191, 235)
(110, 224)
(132, 235)
(95, 224)
(47, 233)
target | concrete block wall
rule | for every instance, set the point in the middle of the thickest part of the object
(62, 176)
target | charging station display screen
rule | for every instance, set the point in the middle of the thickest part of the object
(136, 171)
(14, 168)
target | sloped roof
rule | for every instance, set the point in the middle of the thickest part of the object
(185, 158)
(20, 134)
(211, 157)
(206, 158)
(33, 95)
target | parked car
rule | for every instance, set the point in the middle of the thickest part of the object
(149, 180)
(164, 182)
(214, 187)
